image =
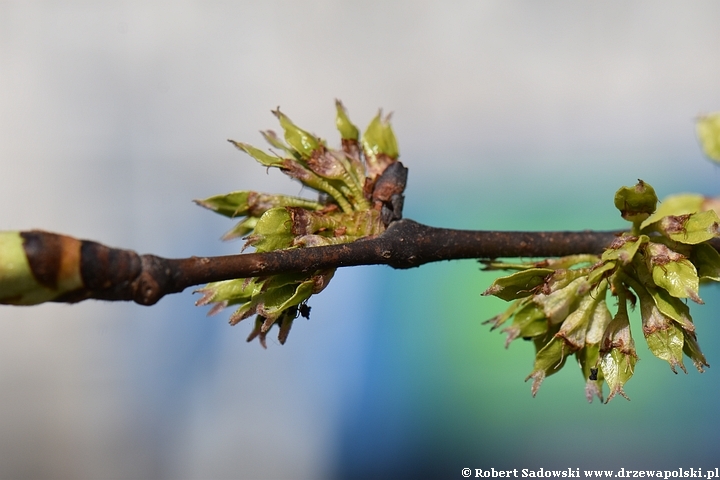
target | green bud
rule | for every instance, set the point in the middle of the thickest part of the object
(303, 142)
(519, 284)
(636, 203)
(380, 145)
(708, 132)
(589, 355)
(347, 130)
(528, 322)
(273, 231)
(617, 368)
(241, 228)
(271, 137)
(226, 293)
(379, 137)
(550, 359)
(617, 352)
(673, 272)
(692, 350)
(18, 283)
(259, 155)
(499, 319)
(230, 204)
(691, 228)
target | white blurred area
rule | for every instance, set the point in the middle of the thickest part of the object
(114, 116)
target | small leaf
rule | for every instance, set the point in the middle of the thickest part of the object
(617, 368)
(519, 284)
(347, 130)
(303, 142)
(692, 228)
(707, 261)
(664, 338)
(676, 205)
(259, 155)
(529, 321)
(550, 359)
(692, 350)
(624, 248)
(673, 272)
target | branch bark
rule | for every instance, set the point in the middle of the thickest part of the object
(115, 274)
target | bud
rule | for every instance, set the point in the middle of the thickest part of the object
(617, 352)
(589, 355)
(272, 138)
(528, 322)
(295, 169)
(380, 145)
(636, 203)
(347, 130)
(259, 155)
(548, 360)
(303, 142)
(273, 231)
(519, 284)
(692, 350)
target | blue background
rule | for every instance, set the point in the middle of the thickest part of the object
(510, 115)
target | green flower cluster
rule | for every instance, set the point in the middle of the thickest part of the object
(353, 202)
(561, 304)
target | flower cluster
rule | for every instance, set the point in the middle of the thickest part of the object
(360, 191)
(561, 304)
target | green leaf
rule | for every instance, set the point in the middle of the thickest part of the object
(672, 307)
(550, 359)
(347, 130)
(707, 261)
(708, 131)
(302, 141)
(558, 304)
(379, 137)
(624, 248)
(692, 228)
(675, 205)
(617, 368)
(529, 321)
(519, 284)
(692, 350)
(673, 272)
(259, 155)
(664, 338)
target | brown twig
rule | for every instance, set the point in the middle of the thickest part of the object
(114, 274)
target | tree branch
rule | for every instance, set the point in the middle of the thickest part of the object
(116, 274)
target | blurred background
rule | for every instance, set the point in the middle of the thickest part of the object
(510, 115)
